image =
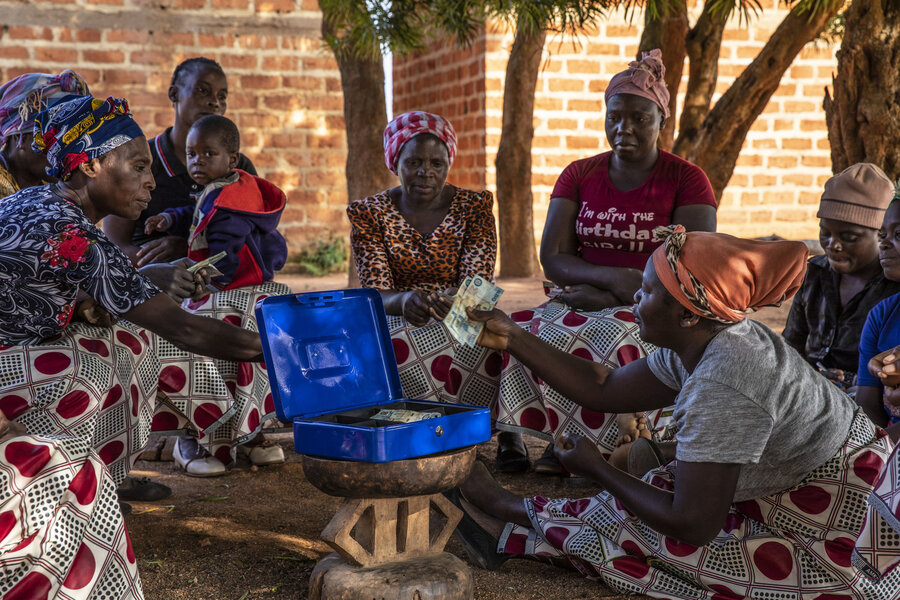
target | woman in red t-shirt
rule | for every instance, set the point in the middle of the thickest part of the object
(597, 238)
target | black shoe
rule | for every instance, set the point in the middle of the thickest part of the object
(512, 455)
(548, 464)
(479, 544)
(125, 508)
(141, 489)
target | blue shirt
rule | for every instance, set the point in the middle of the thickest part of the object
(881, 332)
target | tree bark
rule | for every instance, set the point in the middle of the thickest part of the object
(725, 127)
(518, 257)
(365, 117)
(704, 41)
(668, 34)
(864, 115)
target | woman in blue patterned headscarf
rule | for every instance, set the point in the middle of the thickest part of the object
(85, 394)
(21, 99)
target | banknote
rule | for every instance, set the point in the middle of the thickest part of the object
(475, 292)
(401, 415)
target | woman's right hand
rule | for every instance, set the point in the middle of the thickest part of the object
(498, 328)
(582, 296)
(172, 278)
(886, 366)
(577, 454)
(164, 249)
(416, 308)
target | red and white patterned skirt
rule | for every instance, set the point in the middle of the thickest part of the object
(61, 532)
(223, 403)
(609, 337)
(797, 544)
(95, 383)
(434, 367)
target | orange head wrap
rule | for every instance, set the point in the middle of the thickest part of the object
(722, 277)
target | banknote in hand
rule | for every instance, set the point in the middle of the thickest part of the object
(475, 292)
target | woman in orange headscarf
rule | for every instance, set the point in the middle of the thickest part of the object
(770, 506)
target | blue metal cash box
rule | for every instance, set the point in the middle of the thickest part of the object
(331, 367)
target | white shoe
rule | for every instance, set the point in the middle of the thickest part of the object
(196, 461)
(265, 453)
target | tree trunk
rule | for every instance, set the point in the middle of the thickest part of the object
(668, 34)
(365, 117)
(725, 127)
(514, 199)
(703, 45)
(864, 116)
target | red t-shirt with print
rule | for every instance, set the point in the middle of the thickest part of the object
(615, 228)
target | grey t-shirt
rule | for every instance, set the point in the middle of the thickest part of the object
(754, 401)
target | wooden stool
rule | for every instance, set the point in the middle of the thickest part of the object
(389, 542)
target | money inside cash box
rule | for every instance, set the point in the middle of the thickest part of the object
(334, 376)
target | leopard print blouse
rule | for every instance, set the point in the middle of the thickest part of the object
(392, 255)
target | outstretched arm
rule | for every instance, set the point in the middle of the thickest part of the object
(631, 388)
(200, 335)
(693, 513)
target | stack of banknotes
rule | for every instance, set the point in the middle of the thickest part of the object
(475, 292)
(401, 415)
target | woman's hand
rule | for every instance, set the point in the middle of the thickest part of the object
(582, 296)
(498, 328)
(416, 308)
(886, 367)
(172, 278)
(164, 249)
(201, 281)
(90, 312)
(10, 429)
(577, 454)
(440, 303)
(627, 282)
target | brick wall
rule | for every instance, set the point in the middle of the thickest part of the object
(785, 159)
(284, 88)
(451, 82)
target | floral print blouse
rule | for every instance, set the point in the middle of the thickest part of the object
(48, 251)
(392, 255)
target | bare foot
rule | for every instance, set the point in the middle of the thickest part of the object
(631, 427)
(494, 501)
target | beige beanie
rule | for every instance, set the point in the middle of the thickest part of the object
(859, 195)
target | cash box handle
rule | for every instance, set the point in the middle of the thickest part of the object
(319, 300)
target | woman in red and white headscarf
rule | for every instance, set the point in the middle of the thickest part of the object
(417, 243)
(596, 240)
(767, 496)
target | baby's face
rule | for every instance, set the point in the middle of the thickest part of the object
(207, 157)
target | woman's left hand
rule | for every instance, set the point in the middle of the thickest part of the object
(440, 303)
(886, 366)
(583, 296)
(577, 454)
(10, 429)
(90, 312)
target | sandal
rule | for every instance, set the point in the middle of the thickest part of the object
(548, 464)
(141, 489)
(512, 454)
(478, 543)
(196, 461)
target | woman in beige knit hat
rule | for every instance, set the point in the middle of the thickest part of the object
(842, 286)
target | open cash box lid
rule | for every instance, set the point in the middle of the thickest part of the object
(327, 352)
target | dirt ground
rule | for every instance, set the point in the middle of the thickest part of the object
(254, 533)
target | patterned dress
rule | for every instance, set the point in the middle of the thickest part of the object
(392, 255)
(85, 394)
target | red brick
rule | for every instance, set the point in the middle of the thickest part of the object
(230, 4)
(761, 181)
(53, 55)
(582, 67)
(811, 198)
(331, 140)
(281, 63)
(781, 162)
(64, 35)
(738, 35)
(17, 52)
(88, 35)
(150, 57)
(275, 5)
(173, 39)
(566, 85)
(103, 56)
(815, 161)
(127, 36)
(325, 64)
(107, 2)
(621, 31)
(792, 214)
(239, 61)
(796, 144)
(798, 179)
(319, 178)
(190, 4)
(795, 106)
(584, 106)
(124, 77)
(259, 82)
(30, 33)
(581, 142)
